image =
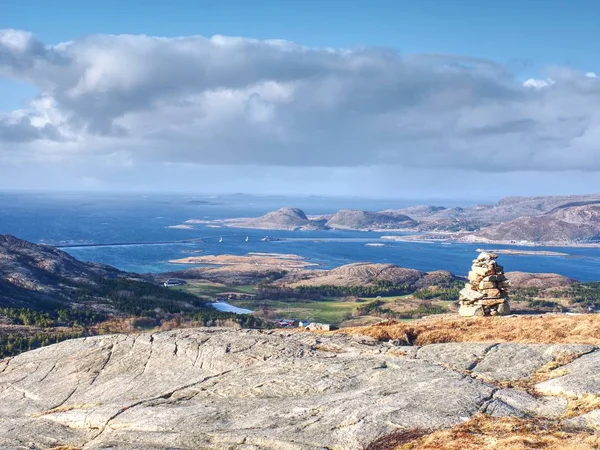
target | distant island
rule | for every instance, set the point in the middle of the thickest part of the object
(294, 219)
(521, 221)
(275, 260)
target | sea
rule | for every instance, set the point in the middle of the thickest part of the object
(131, 232)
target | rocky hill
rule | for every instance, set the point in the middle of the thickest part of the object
(369, 274)
(282, 219)
(562, 225)
(44, 278)
(347, 219)
(202, 388)
(31, 273)
(525, 280)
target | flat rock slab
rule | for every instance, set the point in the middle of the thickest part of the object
(214, 389)
(582, 376)
(547, 407)
(511, 362)
(459, 356)
(241, 389)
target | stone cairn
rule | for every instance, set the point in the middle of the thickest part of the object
(485, 293)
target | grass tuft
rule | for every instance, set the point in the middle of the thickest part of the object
(507, 433)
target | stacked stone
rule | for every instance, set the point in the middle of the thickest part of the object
(486, 292)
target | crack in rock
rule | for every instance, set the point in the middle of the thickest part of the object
(48, 373)
(479, 360)
(165, 396)
(105, 363)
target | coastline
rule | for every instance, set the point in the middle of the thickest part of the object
(450, 238)
(241, 222)
(508, 251)
(424, 238)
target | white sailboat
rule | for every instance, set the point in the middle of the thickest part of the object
(246, 239)
(220, 239)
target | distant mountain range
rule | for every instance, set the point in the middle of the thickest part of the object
(538, 220)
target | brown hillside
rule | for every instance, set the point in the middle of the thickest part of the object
(523, 280)
(367, 274)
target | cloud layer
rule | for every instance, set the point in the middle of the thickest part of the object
(234, 101)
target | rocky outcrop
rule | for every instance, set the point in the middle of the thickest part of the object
(348, 219)
(216, 388)
(485, 293)
(282, 219)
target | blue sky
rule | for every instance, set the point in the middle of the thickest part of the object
(536, 31)
(448, 90)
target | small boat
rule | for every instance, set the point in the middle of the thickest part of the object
(246, 239)
(220, 239)
(270, 239)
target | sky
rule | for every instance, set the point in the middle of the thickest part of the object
(406, 99)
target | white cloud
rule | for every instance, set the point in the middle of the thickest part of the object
(538, 84)
(237, 101)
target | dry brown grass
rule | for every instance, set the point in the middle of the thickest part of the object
(551, 328)
(582, 405)
(485, 432)
(548, 371)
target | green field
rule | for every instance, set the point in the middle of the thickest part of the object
(328, 311)
(207, 289)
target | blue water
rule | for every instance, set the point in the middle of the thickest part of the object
(226, 307)
(85, 219)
